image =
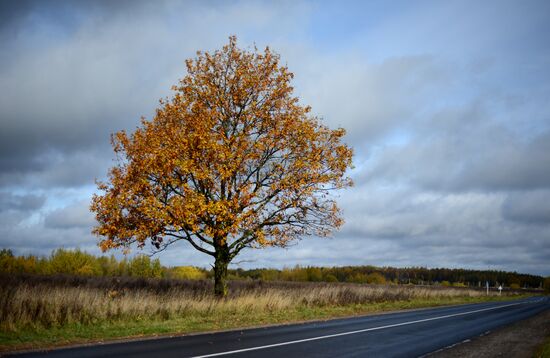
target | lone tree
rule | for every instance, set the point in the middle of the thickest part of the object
(231, 161)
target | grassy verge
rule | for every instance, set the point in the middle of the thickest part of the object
(544, 350)
(39, 336)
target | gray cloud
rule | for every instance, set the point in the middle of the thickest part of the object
(76, 215)
(532, 207)
(67, 86)
(466, 149)
(54, 169)
(23, 203)
(370, 99)
(26, 240)
(29, 227)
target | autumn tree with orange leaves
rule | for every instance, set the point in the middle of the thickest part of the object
(231, 161)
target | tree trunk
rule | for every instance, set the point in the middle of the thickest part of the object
(220, 271)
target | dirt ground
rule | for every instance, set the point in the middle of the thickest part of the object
(518, 340)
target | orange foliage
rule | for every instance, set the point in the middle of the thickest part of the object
(232, 160)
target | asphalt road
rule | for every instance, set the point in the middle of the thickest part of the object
(401, 334)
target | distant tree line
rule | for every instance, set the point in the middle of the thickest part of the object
(392, 275)
(77, 262)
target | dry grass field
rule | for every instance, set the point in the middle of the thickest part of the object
(52, 309)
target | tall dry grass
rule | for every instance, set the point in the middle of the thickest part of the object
(30, 302)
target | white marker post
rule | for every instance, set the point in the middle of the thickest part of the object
(499, 290)
(487, 285)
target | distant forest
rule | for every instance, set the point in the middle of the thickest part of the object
(76, 262)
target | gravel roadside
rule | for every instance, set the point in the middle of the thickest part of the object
(520, 340)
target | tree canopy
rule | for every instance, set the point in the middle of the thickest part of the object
(231, 161)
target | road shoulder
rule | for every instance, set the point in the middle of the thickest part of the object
(520, 339)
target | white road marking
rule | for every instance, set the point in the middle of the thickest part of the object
(355, 332)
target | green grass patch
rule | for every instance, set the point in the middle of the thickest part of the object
(544, 350)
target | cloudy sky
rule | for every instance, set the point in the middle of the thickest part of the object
(446, 103)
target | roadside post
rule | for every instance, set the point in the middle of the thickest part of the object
(499, 290)
(487, 286)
